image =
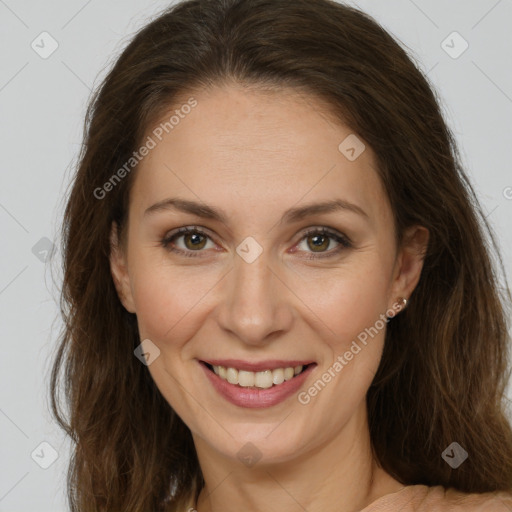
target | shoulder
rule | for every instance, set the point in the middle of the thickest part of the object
(485, 502)
(421, 498)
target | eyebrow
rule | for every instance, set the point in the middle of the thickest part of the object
(292, 215)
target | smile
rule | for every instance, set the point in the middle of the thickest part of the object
(264, 388)
(263, 379)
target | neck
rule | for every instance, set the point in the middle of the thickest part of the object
(336, 474)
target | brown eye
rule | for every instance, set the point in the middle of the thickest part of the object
(193, 240)
(318, 242)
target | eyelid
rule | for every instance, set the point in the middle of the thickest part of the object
(323, 229)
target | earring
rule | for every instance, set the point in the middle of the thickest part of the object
(402, 303)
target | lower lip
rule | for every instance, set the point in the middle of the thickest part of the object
(257, 398)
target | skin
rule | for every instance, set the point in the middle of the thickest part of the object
(255, 154)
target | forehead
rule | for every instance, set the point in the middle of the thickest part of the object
(263, 150)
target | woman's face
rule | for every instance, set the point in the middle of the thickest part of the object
(264, 284)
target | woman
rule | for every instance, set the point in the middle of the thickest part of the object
(279, 290)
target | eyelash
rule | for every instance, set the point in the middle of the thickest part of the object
(344, 242)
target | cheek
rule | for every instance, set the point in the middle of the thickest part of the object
(352, 306)
(168, 300)
(352, 311)
(349, 300)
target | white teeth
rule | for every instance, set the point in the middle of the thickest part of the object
(264, 379)
(288, 373)
(245, 379)
(232, 376)
(278, 376)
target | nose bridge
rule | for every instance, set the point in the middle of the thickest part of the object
(255, 302)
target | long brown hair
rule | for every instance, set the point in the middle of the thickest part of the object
(443, 371)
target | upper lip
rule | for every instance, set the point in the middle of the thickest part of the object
(253, 366)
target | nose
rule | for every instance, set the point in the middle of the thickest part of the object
(255, 305)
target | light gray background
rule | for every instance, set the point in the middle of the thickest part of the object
(42, 104)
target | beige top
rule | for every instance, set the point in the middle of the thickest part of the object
(420, 498)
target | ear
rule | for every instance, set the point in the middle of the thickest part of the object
(118, 269)
(409, 262)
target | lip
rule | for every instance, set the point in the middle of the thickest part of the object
(257, 398)
(270, 364)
